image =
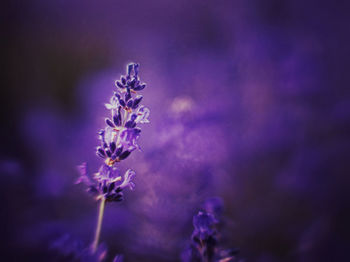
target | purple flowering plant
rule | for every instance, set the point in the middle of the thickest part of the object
(204, 245)
(117, 141)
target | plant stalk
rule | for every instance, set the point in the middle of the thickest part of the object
(99, 224)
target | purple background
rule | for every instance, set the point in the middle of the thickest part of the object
(249, 101)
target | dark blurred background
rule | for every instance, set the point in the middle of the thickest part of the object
(249, 101)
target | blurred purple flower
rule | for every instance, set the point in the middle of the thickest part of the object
(205, 237)
(203, 225)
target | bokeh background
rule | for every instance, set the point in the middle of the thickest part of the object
(249, 101)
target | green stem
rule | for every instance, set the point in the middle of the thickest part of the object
(99, 225)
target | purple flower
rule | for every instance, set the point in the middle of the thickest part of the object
(107, 182)
(113, 104)
(204, 234)
(203, 225)
(118, 139)
(205, 237)
(131, 82)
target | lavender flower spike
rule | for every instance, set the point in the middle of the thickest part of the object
(205, 237)
(117, 141)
